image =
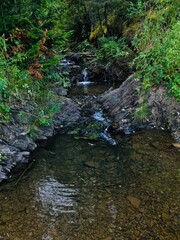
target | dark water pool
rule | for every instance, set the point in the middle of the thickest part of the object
(81, 190)
(91, 89)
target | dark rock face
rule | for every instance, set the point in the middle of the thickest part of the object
(165, 111)
(121, 103)
(69, 114)
(80, 57)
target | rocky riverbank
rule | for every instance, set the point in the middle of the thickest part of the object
(128, 108)
(17, 142)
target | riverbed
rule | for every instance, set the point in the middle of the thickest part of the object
(91, 190)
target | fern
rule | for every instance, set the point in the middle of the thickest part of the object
(111, 50)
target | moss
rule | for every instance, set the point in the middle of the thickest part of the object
(99, 31)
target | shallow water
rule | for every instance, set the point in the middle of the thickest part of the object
(81, 190)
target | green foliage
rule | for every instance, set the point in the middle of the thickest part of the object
(85, 46)
(141, 114)
(33, 131)
(44, 119)
(158, 44)
(5, 112)
(31, 32)
(135, 9)
(2, 157)
(62, 78)
(111, 50)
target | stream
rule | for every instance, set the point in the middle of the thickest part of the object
(77, 189)
(82, 190)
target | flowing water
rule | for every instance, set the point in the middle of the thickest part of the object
(81, 190)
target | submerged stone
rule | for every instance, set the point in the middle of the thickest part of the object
(91, 164)
(134, 201)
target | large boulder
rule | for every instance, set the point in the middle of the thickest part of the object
(121, 102)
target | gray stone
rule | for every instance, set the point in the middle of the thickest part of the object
(60, 91)
(69, 114)
(23, 157)
(23, 142)
(134, 201)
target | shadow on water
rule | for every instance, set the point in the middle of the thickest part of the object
(81, 190)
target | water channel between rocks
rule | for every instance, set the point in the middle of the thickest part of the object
(83, 190)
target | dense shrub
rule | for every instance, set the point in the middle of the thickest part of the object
(158, 48)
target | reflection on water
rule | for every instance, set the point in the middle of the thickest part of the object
(55, 197)
(81, 190)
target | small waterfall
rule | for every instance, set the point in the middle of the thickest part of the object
(85, 75)
(105, 135)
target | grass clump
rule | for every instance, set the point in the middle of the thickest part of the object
(141, 114)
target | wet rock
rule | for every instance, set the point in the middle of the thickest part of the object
(5, 149)
(23, 142)
(2, 174)
(23, 157)
(98, 72)
(14, 136)
(80, 57)
(44, 132)
(134, 201)
(8, 159)
(165, 111)
(69, 114)
(74, 72)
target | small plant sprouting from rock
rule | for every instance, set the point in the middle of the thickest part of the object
(2, 157)
(141, 114)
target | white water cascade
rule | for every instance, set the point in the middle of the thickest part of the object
(106, 122)
(85, 77)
